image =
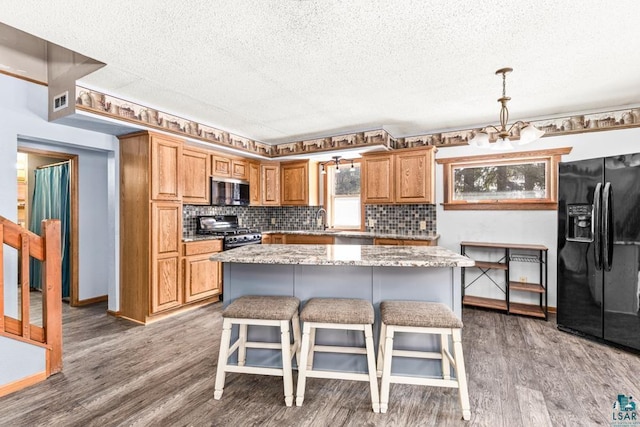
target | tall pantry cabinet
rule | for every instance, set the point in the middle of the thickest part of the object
(150, 199)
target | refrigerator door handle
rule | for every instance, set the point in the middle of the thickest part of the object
(607, 233)
(597, 225)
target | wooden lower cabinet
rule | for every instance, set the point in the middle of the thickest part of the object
(202, 278)
(166, 289)
(297, 239)
(405, 242)
(273, 239)
(307, 239)
(166, 292)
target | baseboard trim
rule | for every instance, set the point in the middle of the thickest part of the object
(90, 301)
(23, 383)
(552, 310)
(113, 313)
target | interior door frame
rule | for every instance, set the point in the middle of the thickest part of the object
(73, 216)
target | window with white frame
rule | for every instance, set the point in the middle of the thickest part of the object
(343, 196)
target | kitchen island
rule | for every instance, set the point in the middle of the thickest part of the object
(374, 273)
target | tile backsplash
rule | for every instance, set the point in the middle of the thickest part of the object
(401, 219)
(394, 219)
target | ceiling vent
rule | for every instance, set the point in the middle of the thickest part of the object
(61, 101)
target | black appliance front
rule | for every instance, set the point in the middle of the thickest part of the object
(229, 193)
(598, 248)
(579, 292)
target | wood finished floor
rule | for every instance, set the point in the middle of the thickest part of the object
(522, 372)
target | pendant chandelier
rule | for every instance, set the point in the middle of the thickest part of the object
(336, 161)
(527, 132)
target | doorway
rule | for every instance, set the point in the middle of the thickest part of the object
(30, 160)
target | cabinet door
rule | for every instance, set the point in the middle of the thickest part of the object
(202, 278)
(254, 184)
(295, 183)
(277, 239)
(394, 242)
(196, 167)
(308, 239)
(166, 223)
(166, 169)
(240, 169)
(270, 183)
(413, 177)
(420, 242)
(220, 166)
(377, 181)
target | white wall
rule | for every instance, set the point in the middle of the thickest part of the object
(530, 227)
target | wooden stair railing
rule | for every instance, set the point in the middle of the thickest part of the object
(45, 248)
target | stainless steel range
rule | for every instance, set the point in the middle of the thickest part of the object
(228, 227)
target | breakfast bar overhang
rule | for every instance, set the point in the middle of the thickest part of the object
(371, 272)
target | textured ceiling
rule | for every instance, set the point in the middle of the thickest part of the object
(280, 71)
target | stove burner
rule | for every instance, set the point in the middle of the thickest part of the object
(228, 227)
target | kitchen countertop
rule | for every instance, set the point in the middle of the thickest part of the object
(350, 255)
(354, 233)
(199, 237)
(329, 232)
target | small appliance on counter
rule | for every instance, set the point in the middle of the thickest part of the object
(227, 226)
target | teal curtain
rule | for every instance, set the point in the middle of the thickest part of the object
(51, 201)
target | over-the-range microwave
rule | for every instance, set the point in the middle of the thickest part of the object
(229, 192)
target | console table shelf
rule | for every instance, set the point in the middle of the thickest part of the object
(509, 255)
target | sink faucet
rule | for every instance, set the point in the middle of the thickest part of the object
(322, 214)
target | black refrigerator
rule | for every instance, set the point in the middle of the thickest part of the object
(599, 249)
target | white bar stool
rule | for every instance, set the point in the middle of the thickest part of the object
(337, 313)
(276, 311)
(422, 318)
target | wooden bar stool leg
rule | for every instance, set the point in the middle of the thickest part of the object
(302, 366)
(386, 369)
(444, 345)
(373, 379)
(285, 340)
(225, 340)
(383, 333)
(461, 374)
(242, 349)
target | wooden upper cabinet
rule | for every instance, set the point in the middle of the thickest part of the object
(270, 184)
(405, 176)
(196, 168)
(299, 183)
(415, 176)
(166, 168)
(229, 167)
(240, 169)
(377, 178)
(254, 184)
(220, 166)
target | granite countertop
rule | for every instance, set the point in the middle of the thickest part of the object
(199, 237)
(329, 232)
(354, 233)
(350, 255)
